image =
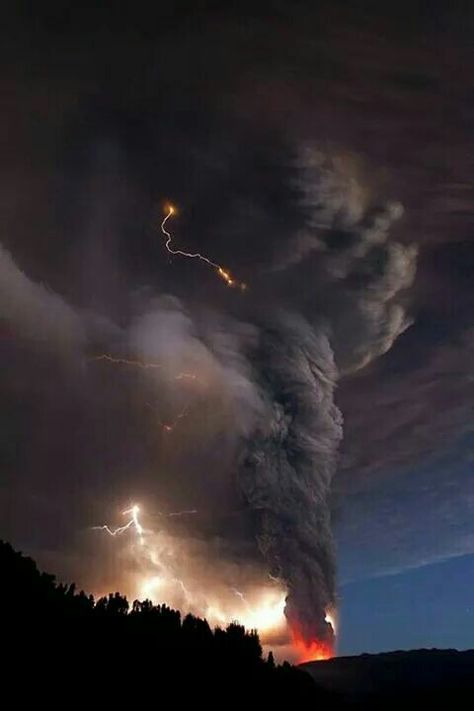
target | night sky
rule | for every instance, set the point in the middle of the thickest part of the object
(110, 113)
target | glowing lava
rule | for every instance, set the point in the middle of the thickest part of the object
(310, 651)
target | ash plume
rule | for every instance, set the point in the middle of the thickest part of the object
(261, 429)
(290, 461)
(288, 466)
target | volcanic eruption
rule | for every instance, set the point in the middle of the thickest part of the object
(259, 430)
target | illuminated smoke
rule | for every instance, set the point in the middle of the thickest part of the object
(171, 574)
(330, 618)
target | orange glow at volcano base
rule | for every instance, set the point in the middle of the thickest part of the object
(313, 651)
(164, 569)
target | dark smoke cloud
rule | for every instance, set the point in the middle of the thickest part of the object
(360, 270)
(292, 461)
(289, 465)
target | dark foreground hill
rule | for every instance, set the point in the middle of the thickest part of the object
(62, 648)
(418, 674)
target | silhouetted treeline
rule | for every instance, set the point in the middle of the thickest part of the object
(61, 648)
(131, 648)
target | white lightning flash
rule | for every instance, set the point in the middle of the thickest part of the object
(134, 522)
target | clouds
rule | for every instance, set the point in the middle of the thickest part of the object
(416, 412)
(36, 313)
(361, 272)
(424, 516)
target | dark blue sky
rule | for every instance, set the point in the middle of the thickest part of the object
(431, 606)
(405, 558)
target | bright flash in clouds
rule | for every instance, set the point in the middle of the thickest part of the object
(265, 613)
(132, 523)
(167, 576)
(330, 618)
(167, 569)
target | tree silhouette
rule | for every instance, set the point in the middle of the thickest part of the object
(108, 641)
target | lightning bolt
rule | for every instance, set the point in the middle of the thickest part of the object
(273, 578)
(170, 426)
(145, 365)
(242, 597)
(265, 613)
(221, 272)
(133, 523)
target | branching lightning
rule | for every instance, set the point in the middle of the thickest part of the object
(145, 365)
(264, 611)
(170, 425)
(133, 523)
(221, 272)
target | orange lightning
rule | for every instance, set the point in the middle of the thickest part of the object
(221, 272)
(169, 426)
(145, 365)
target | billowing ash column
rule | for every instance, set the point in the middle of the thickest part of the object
(288, 466)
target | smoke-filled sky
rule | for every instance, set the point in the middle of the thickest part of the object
(313, 431)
